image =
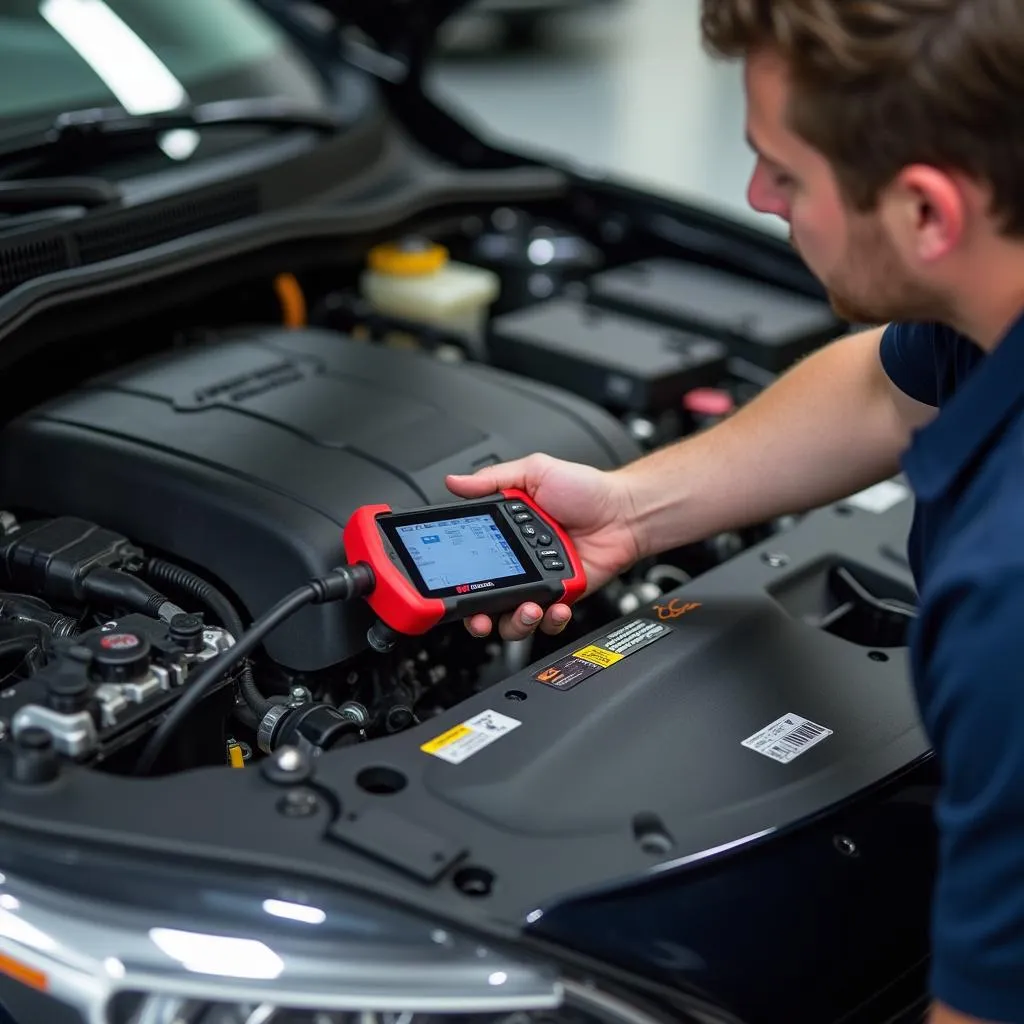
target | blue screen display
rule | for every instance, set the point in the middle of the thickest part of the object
(454, 552)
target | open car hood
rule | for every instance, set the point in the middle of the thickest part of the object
(404, 30)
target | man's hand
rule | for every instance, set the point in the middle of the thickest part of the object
(592, 506)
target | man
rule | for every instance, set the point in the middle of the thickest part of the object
(890, 136)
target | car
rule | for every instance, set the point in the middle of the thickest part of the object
(253, 280)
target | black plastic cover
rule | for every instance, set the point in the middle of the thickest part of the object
(614, 360)
(244, 459)
(762, 324)
(642, 769)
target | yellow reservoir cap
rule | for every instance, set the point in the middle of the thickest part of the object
(412, 257)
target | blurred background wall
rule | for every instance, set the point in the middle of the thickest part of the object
(621, 86)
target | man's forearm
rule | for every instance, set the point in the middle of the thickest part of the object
(823, 431)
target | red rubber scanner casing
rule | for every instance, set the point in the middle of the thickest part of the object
(575, 587)
(395, 599)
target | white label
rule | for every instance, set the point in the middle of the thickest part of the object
(464, 740)
(880, 498)
(638, 633)
(786, 738)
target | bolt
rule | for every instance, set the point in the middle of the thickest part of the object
(7, 522)
(355, 712)
(846, 846)
(288, 766)
(642, 429)
(289, 759)
(299, 695)
(300, 803)
(775, 559)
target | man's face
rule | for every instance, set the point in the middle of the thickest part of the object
(851, 253)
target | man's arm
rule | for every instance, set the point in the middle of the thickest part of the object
(834, 424)
(944, 1015)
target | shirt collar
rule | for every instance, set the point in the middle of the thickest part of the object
(994, 389)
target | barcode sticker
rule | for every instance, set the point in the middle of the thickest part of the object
(787, 738)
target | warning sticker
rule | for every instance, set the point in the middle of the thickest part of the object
(787, 738)
(604, 652)
(598, 655)
(567, 672)
(471, 736)
(633, 635)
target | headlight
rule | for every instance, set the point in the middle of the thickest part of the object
(222, 951)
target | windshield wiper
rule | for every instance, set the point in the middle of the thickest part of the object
(102, 132)
(31, 194)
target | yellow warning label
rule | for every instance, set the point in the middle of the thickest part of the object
(598, 655)
(470, 737)
(446, 739)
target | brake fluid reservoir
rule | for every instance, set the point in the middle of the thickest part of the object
(416, 280)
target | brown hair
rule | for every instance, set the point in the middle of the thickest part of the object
(881, 84)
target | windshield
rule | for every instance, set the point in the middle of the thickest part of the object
(143, 55)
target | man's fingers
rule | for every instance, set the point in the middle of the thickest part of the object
(556, 619)
(489, 480)
(479, 625)
(520, 625)
(524, 622)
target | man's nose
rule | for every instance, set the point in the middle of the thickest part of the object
(764, 197)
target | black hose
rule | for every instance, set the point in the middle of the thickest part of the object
(21, 608)
(343, 584)
(113, 587)
(168, 574)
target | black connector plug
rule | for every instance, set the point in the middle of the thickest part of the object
(71, 561)
(345, 583)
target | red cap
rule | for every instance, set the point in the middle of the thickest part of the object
(708, 402)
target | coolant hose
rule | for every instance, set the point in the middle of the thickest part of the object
(161, 572)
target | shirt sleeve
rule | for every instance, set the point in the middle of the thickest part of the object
(973, 689)
(909, 356)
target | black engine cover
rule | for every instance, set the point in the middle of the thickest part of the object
(245, 458)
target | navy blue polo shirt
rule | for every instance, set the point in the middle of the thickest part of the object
(966, 549)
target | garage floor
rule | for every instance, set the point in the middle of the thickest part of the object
(628, 91)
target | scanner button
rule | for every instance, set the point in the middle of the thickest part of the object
(523, 517)
(553, 563)
(549, 553)
(529, 532)
(545, 538)
(516, 507)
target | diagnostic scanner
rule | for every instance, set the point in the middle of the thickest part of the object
(447, 562)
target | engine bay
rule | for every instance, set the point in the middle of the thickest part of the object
(209, 467)
(169, 474)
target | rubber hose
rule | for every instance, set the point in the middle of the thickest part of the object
(17, 608)
(174, 576)
(115, 588)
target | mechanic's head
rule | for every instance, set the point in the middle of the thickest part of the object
(890, 136)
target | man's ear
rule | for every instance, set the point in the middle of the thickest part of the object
(926, 212)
